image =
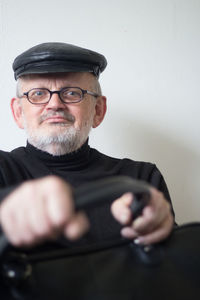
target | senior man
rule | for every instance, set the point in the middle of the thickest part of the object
(58, 101)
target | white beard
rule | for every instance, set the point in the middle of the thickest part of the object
(64, 140)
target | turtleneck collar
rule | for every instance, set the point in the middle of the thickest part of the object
(73, 160)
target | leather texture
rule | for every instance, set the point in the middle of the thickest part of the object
(58, 57)
(123, 271)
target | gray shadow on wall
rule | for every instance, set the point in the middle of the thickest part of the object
(179, 164)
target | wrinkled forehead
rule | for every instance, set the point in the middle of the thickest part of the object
(82, 79)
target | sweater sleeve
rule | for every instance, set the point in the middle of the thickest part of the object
(5, 190)
(158, 181)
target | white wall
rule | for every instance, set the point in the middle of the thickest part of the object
(152, 78)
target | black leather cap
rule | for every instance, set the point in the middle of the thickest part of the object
(58, 57)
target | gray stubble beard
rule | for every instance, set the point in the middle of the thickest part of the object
(59, 143)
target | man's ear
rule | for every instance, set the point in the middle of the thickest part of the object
(17, 112)
(100, 111)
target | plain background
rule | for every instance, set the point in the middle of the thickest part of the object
(152, 81)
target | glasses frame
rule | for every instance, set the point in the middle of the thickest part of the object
(59, 94)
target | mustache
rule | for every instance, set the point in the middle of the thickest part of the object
(65, 115)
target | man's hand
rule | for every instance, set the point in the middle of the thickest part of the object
(155, 223)
(41, 209)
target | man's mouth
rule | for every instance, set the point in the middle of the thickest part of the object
(57, 118)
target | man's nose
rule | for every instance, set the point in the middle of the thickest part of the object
(55, 102)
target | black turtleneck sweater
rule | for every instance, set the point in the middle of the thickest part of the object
(83, 166)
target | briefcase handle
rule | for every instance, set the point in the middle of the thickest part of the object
(98, 192)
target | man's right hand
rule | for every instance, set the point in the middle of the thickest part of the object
(39, 210)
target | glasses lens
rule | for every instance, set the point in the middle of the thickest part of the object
(71, 94)
(38, 95)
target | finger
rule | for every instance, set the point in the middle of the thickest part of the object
(59, 204)
(22, 229)
(16, 227)
(121, 210)
(129, 232)
(39, 222)
(9, 225)
(153, 215)
(158, 235)
(77, 226)
(32, 224)
(145, 223)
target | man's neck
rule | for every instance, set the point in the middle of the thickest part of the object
(57, 149)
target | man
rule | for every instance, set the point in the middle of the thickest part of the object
(58, 101)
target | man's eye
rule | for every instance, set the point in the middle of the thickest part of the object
(38, 93)
(71, 94)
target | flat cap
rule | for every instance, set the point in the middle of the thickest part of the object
(58, 57)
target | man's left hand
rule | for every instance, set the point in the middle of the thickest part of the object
(154, 224)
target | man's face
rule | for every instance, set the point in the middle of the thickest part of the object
(57, 127)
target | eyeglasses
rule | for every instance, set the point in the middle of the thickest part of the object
(66, 95)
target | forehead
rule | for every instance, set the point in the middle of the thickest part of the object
(81, 79)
